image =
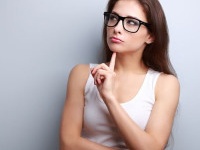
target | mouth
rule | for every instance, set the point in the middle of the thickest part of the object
(115, 40)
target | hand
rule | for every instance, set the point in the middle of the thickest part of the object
(104, 78)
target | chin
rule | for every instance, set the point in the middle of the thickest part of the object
(116, 48)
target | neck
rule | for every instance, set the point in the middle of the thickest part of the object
(129, 63)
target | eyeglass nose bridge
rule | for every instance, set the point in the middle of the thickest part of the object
(120, 19)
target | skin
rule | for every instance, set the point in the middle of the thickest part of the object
(118, 82)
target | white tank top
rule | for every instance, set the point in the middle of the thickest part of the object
(98, 125)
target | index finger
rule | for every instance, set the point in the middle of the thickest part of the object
(112, 62)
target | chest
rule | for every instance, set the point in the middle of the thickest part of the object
(96, 113)
(126, 88)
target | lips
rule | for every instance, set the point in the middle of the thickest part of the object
(116, 40)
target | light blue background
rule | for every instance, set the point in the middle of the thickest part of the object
(41, 40)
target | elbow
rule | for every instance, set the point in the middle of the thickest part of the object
(64, 144)
(67, 143)
(151, 145)
(149, 148)
(159, 146)
(155, 147)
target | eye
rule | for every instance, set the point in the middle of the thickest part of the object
(132, 22)
(113, 17)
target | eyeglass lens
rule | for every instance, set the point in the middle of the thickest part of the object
(129, 24)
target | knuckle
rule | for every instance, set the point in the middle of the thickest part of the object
(99, 71)
(102, 64)
(114, 74)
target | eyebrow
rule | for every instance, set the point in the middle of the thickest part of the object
(126, 16)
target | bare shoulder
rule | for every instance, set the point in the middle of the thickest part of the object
(79, 74)
(167, 86)
(80, 69)
(166, 80)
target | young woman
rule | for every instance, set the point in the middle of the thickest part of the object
(129, 102)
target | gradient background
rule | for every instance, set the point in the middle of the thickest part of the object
(41, 40)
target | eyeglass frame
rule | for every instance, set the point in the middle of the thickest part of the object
(123, 18)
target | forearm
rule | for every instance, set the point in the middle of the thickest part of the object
(134, 136)
(82, 144)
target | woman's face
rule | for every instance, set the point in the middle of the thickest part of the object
(121, 41)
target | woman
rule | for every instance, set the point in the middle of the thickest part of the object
(129, 102)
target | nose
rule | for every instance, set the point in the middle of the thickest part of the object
(119, 27)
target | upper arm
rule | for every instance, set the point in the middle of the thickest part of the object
(167, 97)
(72, 117)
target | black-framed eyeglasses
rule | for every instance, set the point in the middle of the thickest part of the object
(129, 24)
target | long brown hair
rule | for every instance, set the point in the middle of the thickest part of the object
(155, 55)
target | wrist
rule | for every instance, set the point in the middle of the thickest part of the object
(111, 101)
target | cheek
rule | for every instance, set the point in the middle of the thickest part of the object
(108, 32)
(108, 35)
(135, 42)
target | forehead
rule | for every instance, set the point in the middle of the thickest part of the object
(130, 8)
